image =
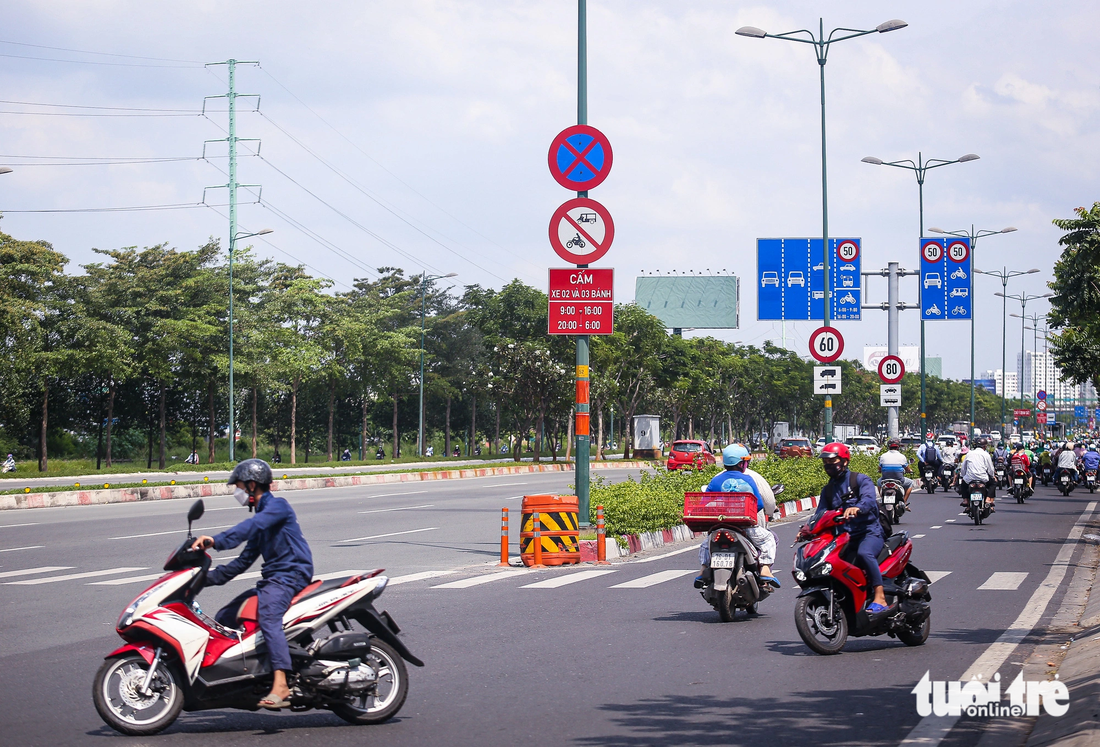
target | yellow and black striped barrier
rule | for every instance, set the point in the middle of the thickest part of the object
(549, 527)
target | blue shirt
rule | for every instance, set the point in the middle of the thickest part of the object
(735, 481)
(836, 496)
(1092, 460)
(273, 533)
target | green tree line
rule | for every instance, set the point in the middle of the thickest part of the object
(127, 358)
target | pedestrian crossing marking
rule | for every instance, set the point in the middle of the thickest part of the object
(1003, 581)
(31, 571)
(466, 583)
(934, 576)
(572, 578)
(653, 579)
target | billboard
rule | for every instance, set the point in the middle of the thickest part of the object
(909, 354)
(696, 301)
(990, 385)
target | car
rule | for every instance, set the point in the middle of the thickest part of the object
(796, 278)
(820, 444)
(795, 447)
(691, 454)
(863, 444)
(959, 292)
(769, 278)
(995, 435)
(910, 442)
(932, 280)
(847, 267)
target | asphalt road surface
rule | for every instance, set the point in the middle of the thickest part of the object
(626, 654)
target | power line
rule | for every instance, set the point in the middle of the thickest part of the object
(104, 54)
(112, 108)
(93, 62)
(98, 161)
(124, 209)
(94, 114)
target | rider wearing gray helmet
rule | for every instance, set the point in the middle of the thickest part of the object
(275, 534)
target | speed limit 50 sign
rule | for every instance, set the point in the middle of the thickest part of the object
(826, 344)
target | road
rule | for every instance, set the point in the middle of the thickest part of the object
(620, 655)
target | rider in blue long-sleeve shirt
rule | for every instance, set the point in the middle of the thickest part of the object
(1091, 458)
(275, 534)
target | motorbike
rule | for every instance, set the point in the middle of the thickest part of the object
(928, 475)
(1001, 474)
(891, 499)
(1019, 490)
(947, 474)
(732, 580)
(830, 606)
(1048, 474)
(178, 658)
(1066, 481)
(1090, 480)
(976, 507)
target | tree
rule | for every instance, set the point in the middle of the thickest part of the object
(1075, 306)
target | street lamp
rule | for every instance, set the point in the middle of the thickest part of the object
(1004, 275)
(423, 294)
(973, 236)
(1023, 298)
(233, 239)
(920, 169)
(821, 45)
(5, 170)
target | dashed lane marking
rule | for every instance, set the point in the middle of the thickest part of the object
(174, 531)
(572, 578)
(666, 555)
(399, 508)
(127, 580)
(938, 526)
(653, 579)
(1003, 581)
(934, 576)
(72, 576)
(917, 536)
(28, 547)
(10, 526)
(31, 571)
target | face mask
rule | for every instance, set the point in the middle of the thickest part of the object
(834, 467)
(241, 495)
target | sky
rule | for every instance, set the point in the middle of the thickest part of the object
(414, 133)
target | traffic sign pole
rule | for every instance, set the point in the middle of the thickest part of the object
(892, 339)
(582, 376)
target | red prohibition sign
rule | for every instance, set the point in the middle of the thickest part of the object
(958, 251)
(826, 344)
(580, 158)
(932, 251)
(847, 251)
(891, 369)
(581, 231)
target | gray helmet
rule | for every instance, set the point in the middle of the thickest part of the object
(256, 470)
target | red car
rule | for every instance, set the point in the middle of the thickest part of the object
(693, 454)
(795, 447)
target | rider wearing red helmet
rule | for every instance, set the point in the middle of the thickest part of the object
(855, 495)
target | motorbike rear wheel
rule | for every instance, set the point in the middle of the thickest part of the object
(823, 636)
(724, 605)
(390, 693)
(116, 693)
(913, 636)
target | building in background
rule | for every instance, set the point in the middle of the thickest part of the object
(1013, 381)
(1038, 371)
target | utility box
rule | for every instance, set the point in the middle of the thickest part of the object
(647, 437)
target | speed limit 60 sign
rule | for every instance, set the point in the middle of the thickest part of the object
(891, 369)
(826, 344)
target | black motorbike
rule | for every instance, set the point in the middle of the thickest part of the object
(1019, 488)
(891, 499)
(1065, 480)
(928, 478)
(947, 474)
(976, 506)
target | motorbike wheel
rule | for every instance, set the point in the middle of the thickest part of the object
(977, 516)
(390, 693)
(811, 618)
(123, 707)
(724, 605)
(913, 636)
(1020, 496)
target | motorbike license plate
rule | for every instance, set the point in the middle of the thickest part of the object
(927, 475)
(723, 560)
(1090, 478)
(889, 499)
(1019, 481)
(1065, 478)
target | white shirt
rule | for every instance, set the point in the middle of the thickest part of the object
(978, 465)
(892, 458)
(1067, 459)
(766, 493)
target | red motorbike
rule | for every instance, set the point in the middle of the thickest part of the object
(177, 658)
(835, 592)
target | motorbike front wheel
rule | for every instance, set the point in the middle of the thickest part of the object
(116, 692)
(822, 635)
(388, 695)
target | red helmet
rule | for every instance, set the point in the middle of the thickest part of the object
(835, 450)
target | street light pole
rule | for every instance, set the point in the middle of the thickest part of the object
(1023, 298)
(423, 296)
(1034, 319)
(920, 169)
(821, 45)
(1004, 275)
(973, 236)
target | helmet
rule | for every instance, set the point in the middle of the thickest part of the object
(734, 454)
(835, 450)
(893, 444)
(964, 450)
(256, 470)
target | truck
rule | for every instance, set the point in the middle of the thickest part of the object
(843, 432)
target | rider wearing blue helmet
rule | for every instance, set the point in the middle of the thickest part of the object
(738, 478)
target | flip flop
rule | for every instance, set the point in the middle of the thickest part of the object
(875, 607)
(772, 580)
(274, 703)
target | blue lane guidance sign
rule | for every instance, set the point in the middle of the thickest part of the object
(790, 279)
(580, 158)
(946, 282)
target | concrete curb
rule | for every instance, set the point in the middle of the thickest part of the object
(204, 490)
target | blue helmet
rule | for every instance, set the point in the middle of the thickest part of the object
(734, 454)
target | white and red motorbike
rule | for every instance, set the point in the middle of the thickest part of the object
(178, 658)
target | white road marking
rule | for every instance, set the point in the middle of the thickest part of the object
(934, 576)
(28, 547)
(73, 576)
(388, 534)
(514, 497)
(667, 554)
(174, 531)
(1003, 581)
(466, 583)
(127, 580)
(506, 484)
(247, 576)
(9, 526)
(400, 508)
(951, 521)
(225, 508)
(917, 536)
(938, 526)
(390, 495)
(30, 571)
(653, 579)
(572, 578)
(423, 575)
(934, 729)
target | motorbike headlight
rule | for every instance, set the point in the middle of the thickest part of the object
(128, 614)
(823, 570)
(799, 576)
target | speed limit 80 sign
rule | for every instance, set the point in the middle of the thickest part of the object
(891, 369)
(826, 344)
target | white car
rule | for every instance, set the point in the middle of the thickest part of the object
(847, 267)
(932, 280)
(863, 444)
(819, 266)
(995, 435)
(796, 278)
(769, 278)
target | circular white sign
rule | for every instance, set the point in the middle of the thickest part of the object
(932, 251)
(826, 344)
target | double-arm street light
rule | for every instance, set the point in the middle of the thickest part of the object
(1034, 319)
(1023, 298)
(1004, 275)
(821, 44)
(920, 168)
(973, 236)
(233, 239)
(423, 295)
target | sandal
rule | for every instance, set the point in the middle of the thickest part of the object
(274, 703)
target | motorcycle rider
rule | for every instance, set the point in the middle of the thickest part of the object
(928, 456)
(1021, 459)
(1000, 454)
(860, 507)
(275, 534)
(893, 465)
(1091, 459)
(738, 478)
(978, 466)
(9, 464)
(1067, 462)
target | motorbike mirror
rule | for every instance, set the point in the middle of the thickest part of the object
(777, 489)
(198, 508)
